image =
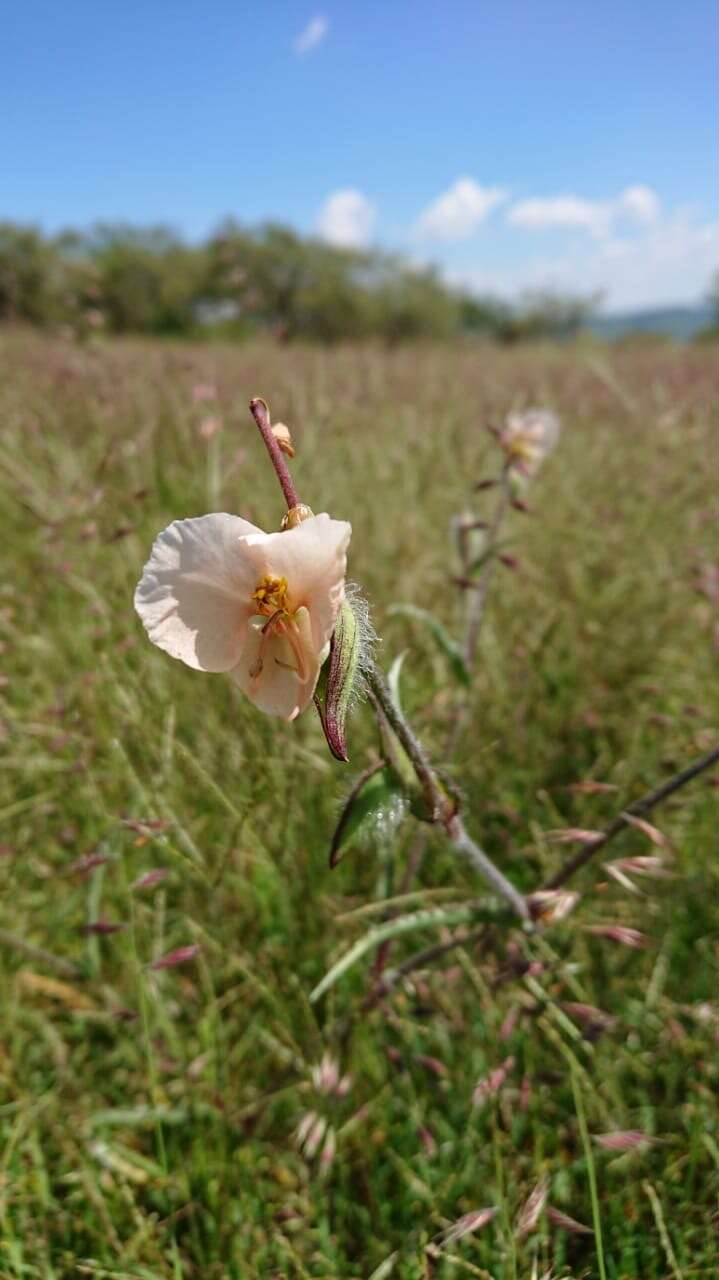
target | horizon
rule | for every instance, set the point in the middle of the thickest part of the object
(538, 149)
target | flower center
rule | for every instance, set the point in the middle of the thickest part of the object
(270, 595)
(521, 448)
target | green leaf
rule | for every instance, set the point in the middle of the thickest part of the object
(430, 918)
(376, 803)
(441, 637)
(393, 678)
(385, 1268)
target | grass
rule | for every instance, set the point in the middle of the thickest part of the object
(149, 1117)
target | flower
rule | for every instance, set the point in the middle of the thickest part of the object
(527, 439)
(221, 595)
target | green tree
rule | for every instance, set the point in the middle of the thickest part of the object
(148, 280)
(31, 276)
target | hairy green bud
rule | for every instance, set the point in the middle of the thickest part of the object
(341, 678)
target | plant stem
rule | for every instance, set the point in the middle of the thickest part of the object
(261, 415)
(636, 810)
(420, 762)
(442, 811)
(474, 626)
(479, 595)
(591, 1171)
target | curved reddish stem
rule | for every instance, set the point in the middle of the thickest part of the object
(261, 415)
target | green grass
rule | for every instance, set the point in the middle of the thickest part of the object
(149, 1118)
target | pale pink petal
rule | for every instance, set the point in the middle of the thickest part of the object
(313, 559)
(277, 675)
(194, 597)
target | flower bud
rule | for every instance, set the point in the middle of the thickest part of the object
(341, 676)
(283, 438)
(337, 681)
(295, 516)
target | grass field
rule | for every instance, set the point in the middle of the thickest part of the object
(149, 1117)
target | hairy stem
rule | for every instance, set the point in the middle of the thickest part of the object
(442, 811)
(426, 775)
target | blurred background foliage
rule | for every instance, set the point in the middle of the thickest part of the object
(117, 278)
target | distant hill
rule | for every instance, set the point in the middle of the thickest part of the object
(676, 322)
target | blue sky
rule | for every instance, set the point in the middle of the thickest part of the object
(515, 144)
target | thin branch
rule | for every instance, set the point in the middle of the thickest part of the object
(463, 842)
(440, 804)
(636, 810)
(261, 415)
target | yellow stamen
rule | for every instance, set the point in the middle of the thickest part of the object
(270, 595)
(522, 449)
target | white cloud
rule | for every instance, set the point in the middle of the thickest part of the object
(456, 213)
(669, 260)
(311, 35)
(560, 211)
(597, 217)
(347, 219)
(640, 203)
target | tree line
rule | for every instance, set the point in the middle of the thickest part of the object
(117, 278)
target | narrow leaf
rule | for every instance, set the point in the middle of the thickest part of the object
(444, 641)
(375, 804)
(393, 678)
(385, 1268)
(437, 917)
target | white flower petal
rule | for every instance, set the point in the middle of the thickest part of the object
(313, 559)
(279, 677)
(193, 597)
